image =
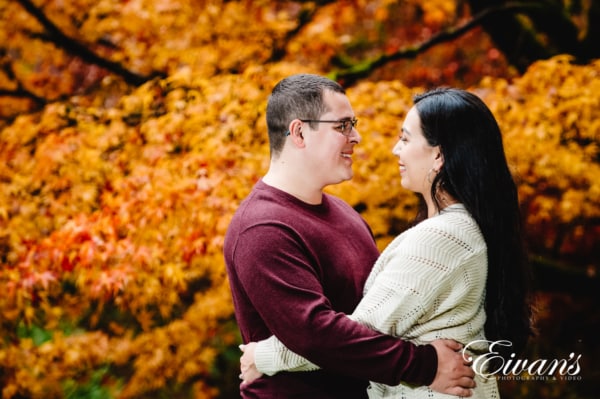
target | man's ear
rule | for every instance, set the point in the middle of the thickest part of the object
(296, 132)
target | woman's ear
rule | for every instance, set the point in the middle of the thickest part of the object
(438, 161)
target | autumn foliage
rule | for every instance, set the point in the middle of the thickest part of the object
(114, 201)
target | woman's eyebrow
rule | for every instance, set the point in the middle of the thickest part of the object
(405, 130)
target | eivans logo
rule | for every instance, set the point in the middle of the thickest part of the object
(514, 368)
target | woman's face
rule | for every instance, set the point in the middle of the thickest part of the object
(418, 160)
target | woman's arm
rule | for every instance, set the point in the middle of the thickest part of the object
(271, 357)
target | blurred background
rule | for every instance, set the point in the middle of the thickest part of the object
(130, 130)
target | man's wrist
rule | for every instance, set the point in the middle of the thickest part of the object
(424, 367)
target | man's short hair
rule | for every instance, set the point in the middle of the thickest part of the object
(296, 97)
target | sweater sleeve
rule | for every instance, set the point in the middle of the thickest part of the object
(271, 357)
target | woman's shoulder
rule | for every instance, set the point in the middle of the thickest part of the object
(453, 217)
(453, 224)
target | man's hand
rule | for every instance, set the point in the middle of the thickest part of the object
(248, 369)
(454, 373)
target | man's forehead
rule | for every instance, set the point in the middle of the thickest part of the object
(337, 103)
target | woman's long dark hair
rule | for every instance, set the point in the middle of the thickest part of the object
(475, 173)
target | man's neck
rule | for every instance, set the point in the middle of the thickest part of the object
(294, 186)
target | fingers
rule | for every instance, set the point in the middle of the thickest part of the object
(454, 376)
(452, 344)
(248, 370)
(463, 369)
(249, 375)
(462, 387)
(460, 392)
(469, 372)
(463, 377)
(466, 383)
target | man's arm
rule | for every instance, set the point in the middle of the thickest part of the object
(454, 374)
(287, 292)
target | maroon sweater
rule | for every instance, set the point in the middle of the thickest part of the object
(295, 270)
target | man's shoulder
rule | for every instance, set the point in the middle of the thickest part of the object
(261, 205)
(337, 201)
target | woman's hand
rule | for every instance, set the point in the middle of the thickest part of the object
(248, 369)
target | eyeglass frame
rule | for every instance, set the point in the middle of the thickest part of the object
(343, 123)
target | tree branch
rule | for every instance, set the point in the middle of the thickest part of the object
(61, 40)
(305, 16)
(548, 31)
(352, 73)
(22, 93)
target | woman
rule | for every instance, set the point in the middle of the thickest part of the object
(460, 271)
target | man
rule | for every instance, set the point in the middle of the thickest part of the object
(297, 260)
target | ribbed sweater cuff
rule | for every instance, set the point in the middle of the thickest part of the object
(263, 359)
(424, 367)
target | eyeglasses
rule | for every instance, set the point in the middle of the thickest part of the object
(344, 126)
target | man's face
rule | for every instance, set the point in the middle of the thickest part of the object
(329, 152)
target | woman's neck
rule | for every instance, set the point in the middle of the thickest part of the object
(444, 200)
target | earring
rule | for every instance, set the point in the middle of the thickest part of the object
(429, 179)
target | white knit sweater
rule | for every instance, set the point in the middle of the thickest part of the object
(429, 283)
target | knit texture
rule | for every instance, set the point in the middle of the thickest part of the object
(429, 283)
